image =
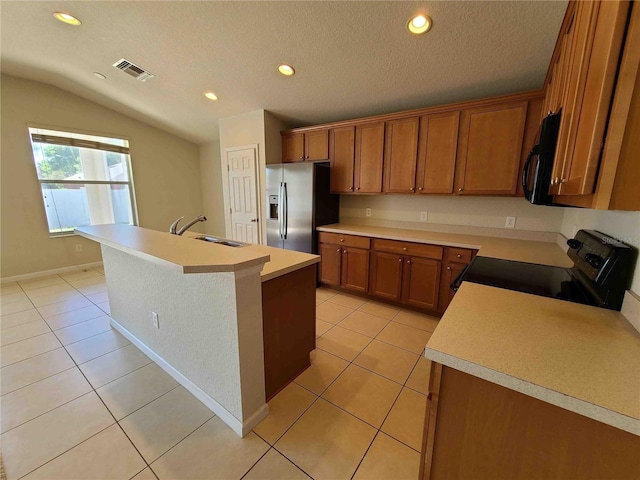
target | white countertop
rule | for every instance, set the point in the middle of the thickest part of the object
(544, 253)
(581, 358)
(195, 256)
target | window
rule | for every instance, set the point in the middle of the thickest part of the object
(85, 179)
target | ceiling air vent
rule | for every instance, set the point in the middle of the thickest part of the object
(133, 70)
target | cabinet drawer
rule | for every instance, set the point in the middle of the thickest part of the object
(459, 255)
(346, 240)
(408, 248)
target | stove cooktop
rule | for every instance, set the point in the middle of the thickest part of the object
(543, 280)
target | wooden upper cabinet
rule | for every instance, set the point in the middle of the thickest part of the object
(438, 143)
(316, 145)
(305, 146)
(369, 154)
(605, 28)
(342, 157)
(489, 149)
(292, 147)
(400, 156)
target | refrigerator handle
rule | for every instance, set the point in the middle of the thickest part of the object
(280, 211)
(286, 210)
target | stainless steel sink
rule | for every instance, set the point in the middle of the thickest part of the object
(221, 241)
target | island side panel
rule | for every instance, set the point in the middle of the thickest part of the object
(198, 320)
(289, 311)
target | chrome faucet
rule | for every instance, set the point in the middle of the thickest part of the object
(174, 225)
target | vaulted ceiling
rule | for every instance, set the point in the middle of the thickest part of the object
(352, 58)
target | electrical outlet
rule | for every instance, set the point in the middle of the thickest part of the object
(367, 212)
(423, 216)
(510, 223)
(78, 247)
(154, 319)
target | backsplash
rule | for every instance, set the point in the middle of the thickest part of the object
(402, 211)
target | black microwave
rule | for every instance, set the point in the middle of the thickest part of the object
(536, 175)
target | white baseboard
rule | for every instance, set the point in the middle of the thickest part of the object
(31, 276)
(241, 428)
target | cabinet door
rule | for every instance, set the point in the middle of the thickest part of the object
(438, 143)
(490, 145)
(292, 147)
(386, 275)
(449, 274)
(330, 264)
(316, 145)
(421, 282)
(355, 269)
(400, 156)
(369, 157)
(342, 151)
(580, 167)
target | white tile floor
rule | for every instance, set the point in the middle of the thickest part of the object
(79, 401)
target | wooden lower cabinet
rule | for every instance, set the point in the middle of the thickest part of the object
(330, 264)
(421, 282)
(355, 269)
(289, 326)
(449, 273)
(386, 275)
(345, 267)
(481, 430)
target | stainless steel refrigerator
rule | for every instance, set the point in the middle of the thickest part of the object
(298, 201)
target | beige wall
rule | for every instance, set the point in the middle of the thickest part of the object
(625, 226)
(166, 174)
(211, 187)
(467, 211)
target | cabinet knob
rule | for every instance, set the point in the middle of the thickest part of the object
(350, 189)
(400, 260)
(448, 268)
(408, 261)
(411, 189)
(459, 256)
(357, 188)
(460, 189)
(421, 188)
(339, 250)
(344, 251)
(404, 248)
(302, 157)
(342, 239)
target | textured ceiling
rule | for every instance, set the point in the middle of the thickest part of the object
(352, 58)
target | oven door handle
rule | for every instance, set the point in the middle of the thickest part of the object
(458, 281)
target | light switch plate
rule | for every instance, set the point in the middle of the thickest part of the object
(510, 223)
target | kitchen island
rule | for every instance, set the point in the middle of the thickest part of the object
(196, 309)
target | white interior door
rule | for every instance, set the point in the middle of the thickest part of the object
(243, 195)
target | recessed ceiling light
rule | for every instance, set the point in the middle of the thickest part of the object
(419, 24)
(286, 70)
(211, 95)
(99, 75)
(66, 18)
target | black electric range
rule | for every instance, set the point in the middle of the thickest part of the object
(600, 275)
